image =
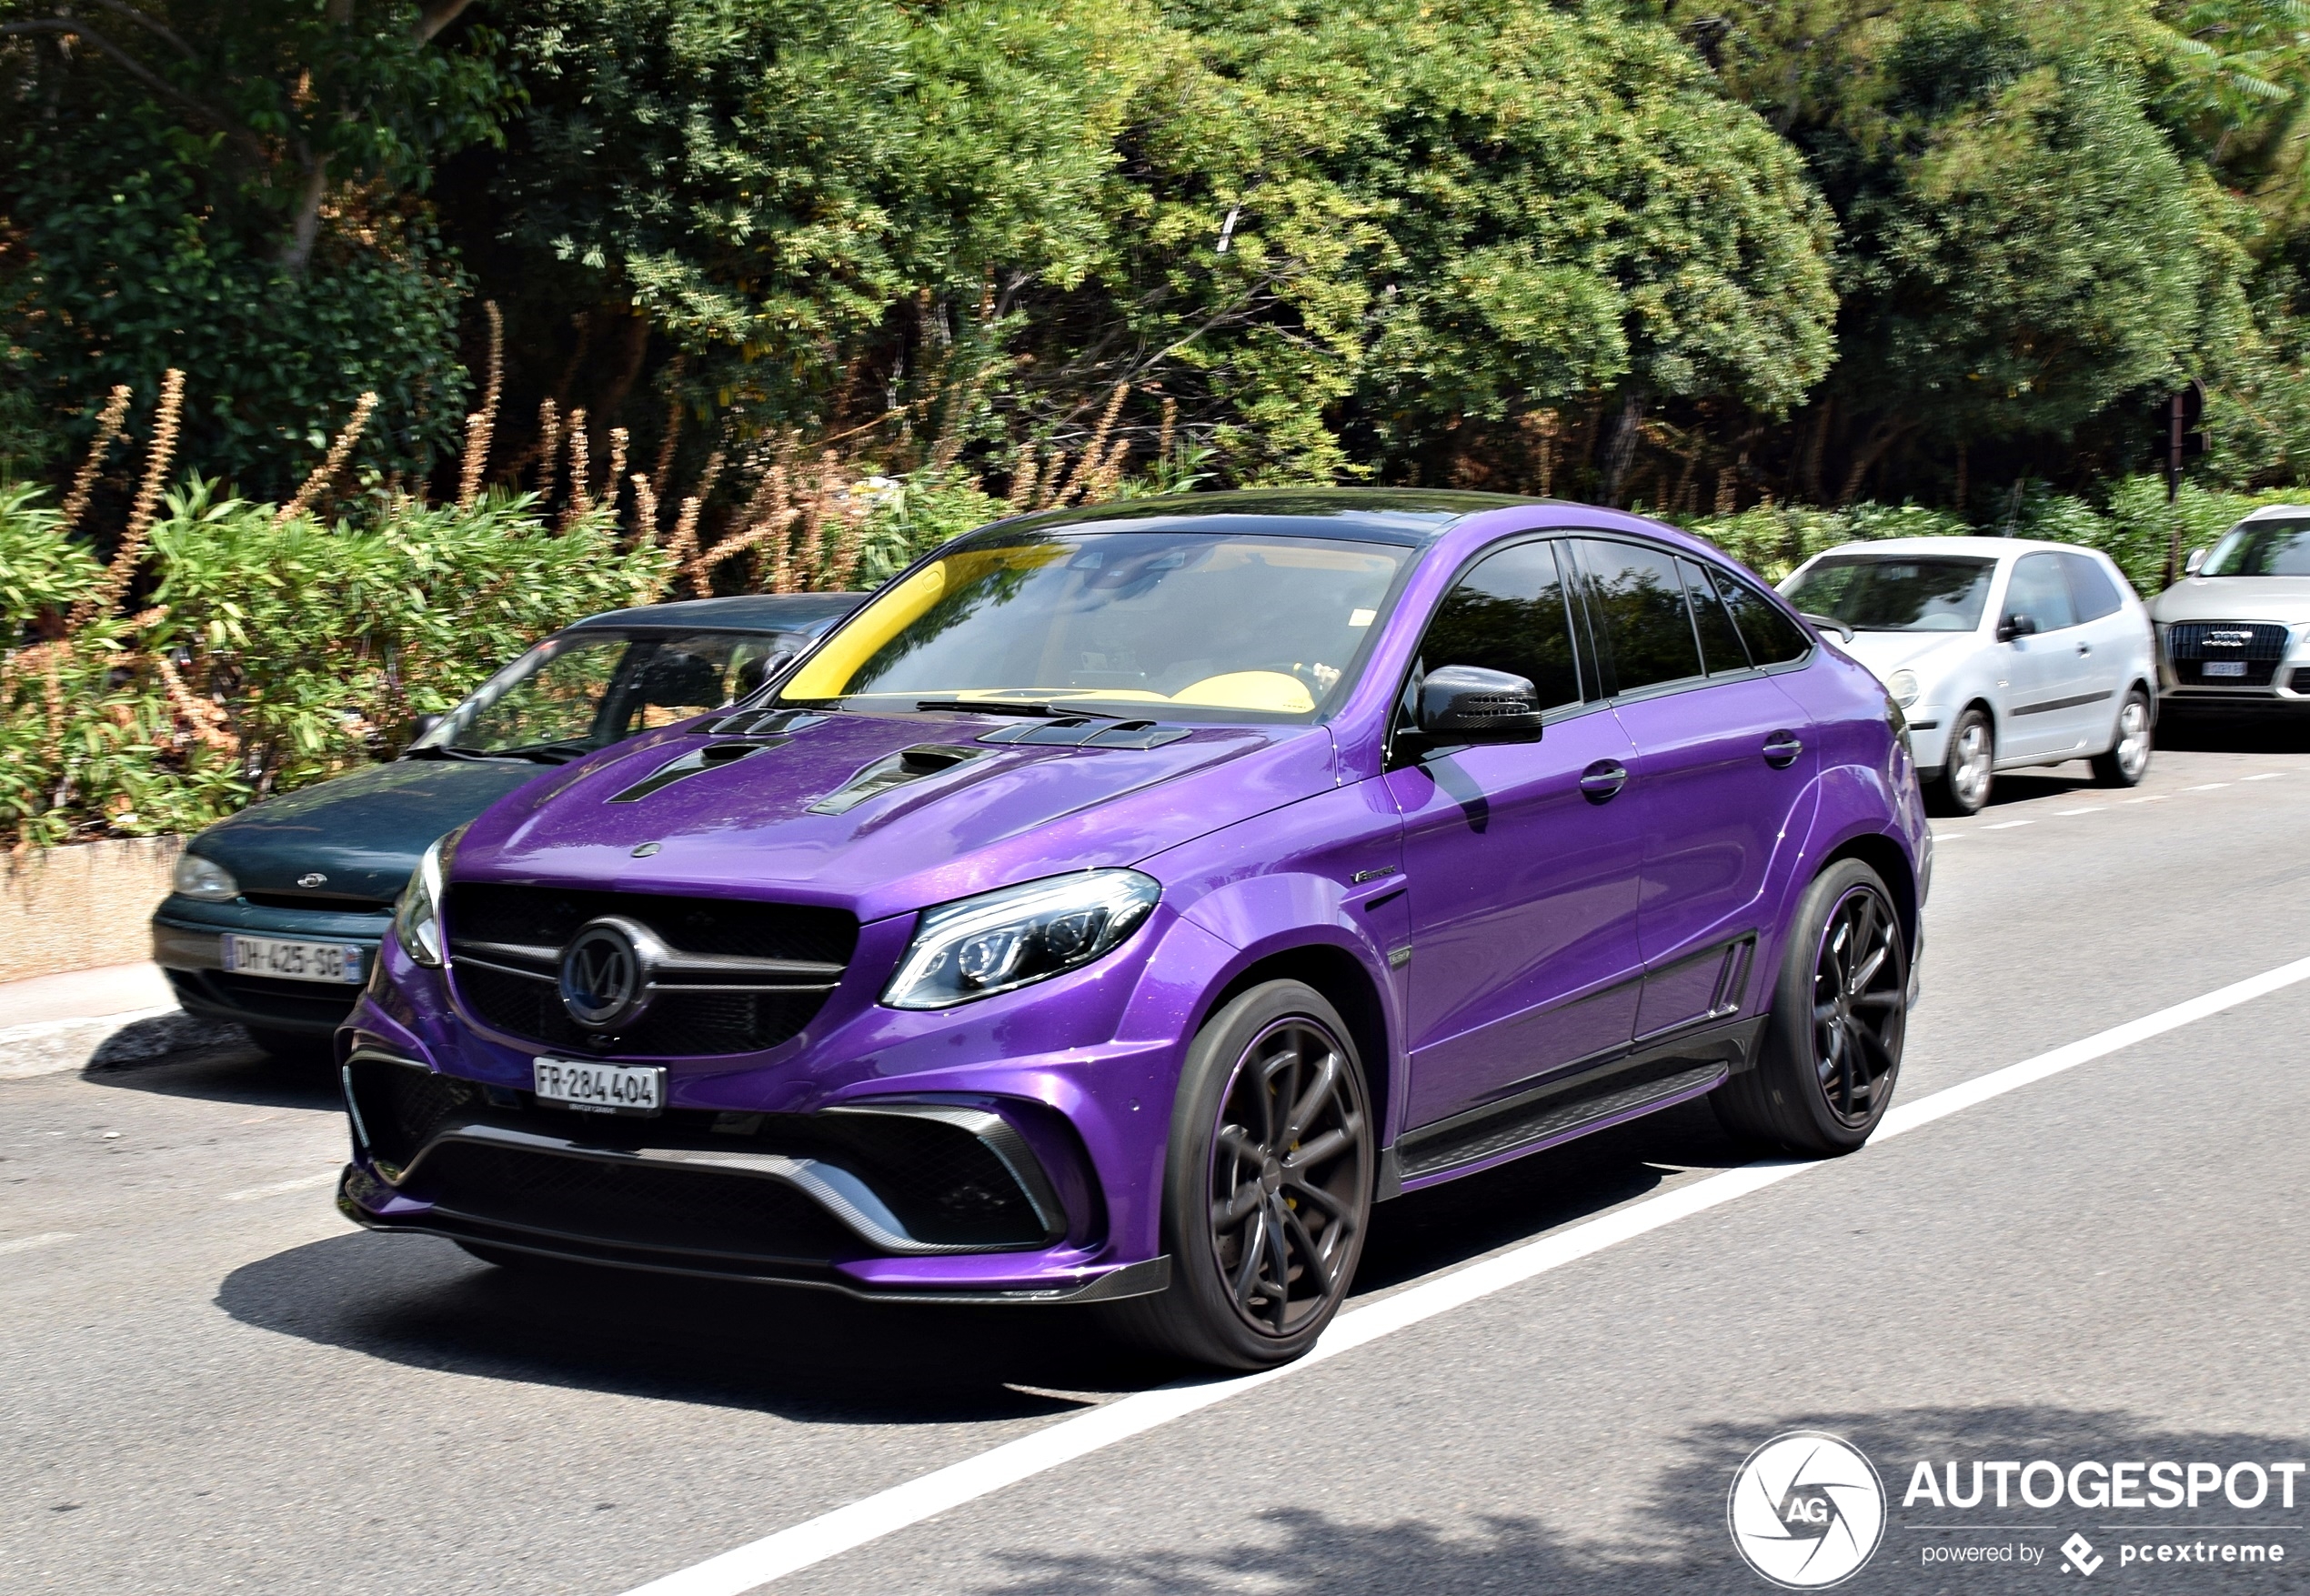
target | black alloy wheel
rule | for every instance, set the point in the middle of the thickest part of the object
(1825, 1071)
(1287, 1176)
(1267, 1187)
(1860, 1005)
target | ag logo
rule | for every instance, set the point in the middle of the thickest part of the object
(1806, 1510)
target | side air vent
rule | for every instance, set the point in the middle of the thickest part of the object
(760, 723)
(712, 757)
(893, 770)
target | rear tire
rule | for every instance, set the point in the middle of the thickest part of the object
(1969, 765)
(1831, 1049)
(1267, 1191)
(2128, 758)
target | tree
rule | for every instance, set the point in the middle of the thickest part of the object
(236, 189)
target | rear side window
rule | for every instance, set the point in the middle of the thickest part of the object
(2041, 592)
(1511, 613)
(1720, 649)
(2090, 587)
(1637, 603)
(1771, 636)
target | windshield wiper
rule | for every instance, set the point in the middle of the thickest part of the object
(553, 753)
(1012, 707)
(438, 752)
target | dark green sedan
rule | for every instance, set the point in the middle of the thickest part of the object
(277, 912)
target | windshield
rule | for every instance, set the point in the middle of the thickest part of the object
(1190, 625)
(585, 690)
(2261, 549)
(1896, 593)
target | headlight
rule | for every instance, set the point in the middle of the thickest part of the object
(999, 941)
(205, 879)
(417, 918)
(1902, 686)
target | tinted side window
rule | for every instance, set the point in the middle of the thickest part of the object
(1721, 648)
(1771, 636)
(2040, 591)
(2090, 587)
(1637, 602)
(1510, 613)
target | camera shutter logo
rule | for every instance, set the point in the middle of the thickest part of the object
(1806, 1510)
(602, 978)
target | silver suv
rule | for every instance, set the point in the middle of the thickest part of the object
(2234, 633)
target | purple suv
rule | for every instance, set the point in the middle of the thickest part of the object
(1123, 900)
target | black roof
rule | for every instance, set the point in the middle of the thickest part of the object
(808, 613)
(1372, 514)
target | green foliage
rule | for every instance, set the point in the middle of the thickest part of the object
(914, 516)
(238, 198)
(40, 570)
(300, 650)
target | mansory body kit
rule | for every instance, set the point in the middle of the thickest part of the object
(1121, 902)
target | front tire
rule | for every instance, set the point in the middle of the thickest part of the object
(1267, 1191)
(2128, 758)
(1831, 1052)
(1968, 765)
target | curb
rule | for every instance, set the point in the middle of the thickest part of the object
(110, 1041)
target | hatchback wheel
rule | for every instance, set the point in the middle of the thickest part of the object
(1268, 1188)
(1969, 766)
(2128, 760)
(1831, 1049)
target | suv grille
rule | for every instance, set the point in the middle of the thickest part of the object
(504, 951)
(2192, 645)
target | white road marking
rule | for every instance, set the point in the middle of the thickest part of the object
(302, 1183)
(2205, 786)
(2265, 775)
(2093, 810)
(830, 1534)
(46, 1238)
(2008, 825)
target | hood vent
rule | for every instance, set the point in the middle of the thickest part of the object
(1074, 732)
(759, 723)
(893, 770)
(712, 757)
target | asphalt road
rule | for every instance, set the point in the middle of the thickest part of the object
(212, 1383)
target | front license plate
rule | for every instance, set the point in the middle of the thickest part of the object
(2225, 668)
(336, 963)
(599, 1088)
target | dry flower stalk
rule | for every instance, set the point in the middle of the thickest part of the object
(581, 497)
(683, 545)
(664, 470)
(618, 441)
(1093, 457)
(1171, 427)
(206, 719)
(326, 472)
(482, 425)
(1023, 479)
(549, 446)
(161, 453)
(110, 421)
(644, 511)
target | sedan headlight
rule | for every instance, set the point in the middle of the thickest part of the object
(1902, 686)
(1001, 940)
(416, 917)
(204, 880)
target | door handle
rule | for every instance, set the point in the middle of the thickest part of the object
(1600, 781)
(1782, 749)
(2085, 647)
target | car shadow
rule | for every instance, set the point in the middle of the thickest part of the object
(821, 1357)
(1674, 1533)
(2199, 732)
(233, 1073)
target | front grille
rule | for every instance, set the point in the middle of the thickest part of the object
(2191, 646)
(400, 1107)
(945, 1185)
(329, 902)
(2301, 680)
(634, 1205)
(679, 1023)
(263, 998)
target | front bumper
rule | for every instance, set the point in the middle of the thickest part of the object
(187, 945)
(832, 1200)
